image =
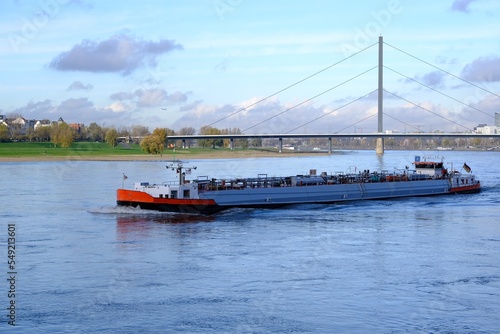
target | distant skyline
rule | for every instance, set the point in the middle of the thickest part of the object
(192, 63)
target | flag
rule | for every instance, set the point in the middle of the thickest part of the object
(467, 168)
(125, 177)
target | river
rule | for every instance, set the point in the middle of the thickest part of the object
(82, 265)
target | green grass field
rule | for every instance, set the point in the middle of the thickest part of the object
(96, 149)
(35, 149)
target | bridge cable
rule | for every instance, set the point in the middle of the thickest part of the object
(290, 86)
(312, 98)
(437, 91)
(362, 120)
(428, 110)
(397, 119)
(453, 75)
(343, 106)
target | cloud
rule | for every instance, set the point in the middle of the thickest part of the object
(75, 105)
(190, 106)
(461, 5)
(80, 110)
(35, 108)
(152, 97)
(373, 96)
(483, 69)
(120, 53)
(433, 79)
(83, 110)
(177, 98)
(78, 85)
(274, 116)
(120, 96)
(118, 106)
(271, 116)
(488, 105)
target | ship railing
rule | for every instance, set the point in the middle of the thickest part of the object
(238, 184)
(148, 185)
(262, 181)
(170, 183)
(351, 170)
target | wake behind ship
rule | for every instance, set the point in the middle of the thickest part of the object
(206, 196)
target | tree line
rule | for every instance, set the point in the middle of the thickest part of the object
(63, 135)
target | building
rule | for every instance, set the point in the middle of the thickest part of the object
(3, 121)
(78, 127)
(487, 130)
(20, 125)
(497, 119)
(41, 124)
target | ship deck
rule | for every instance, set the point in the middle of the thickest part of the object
(204, 184)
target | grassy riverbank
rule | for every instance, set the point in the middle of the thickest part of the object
(34, 151)
(45, 149)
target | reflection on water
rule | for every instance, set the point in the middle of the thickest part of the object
(127, 225)
(175, 218)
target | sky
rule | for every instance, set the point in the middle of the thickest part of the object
(260, 66)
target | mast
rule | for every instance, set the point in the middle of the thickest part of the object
(179, 169)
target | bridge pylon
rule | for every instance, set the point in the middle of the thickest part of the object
(380, 141)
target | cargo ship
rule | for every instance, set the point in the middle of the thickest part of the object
(205, 195)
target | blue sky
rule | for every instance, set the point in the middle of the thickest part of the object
(193, 63)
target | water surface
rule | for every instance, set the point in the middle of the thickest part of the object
(428, 264)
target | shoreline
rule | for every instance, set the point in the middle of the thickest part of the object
(182, 155)
(165, 157)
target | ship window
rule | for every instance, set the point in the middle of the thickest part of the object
(166, 195)
(186, 193)
(173, 194)
(161, 195)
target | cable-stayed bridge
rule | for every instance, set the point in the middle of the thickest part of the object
(379, 135)
(329, 136)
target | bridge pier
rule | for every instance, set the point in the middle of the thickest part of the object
(231, 144)
(330, 147)
(280, 145)
(184, 143)
(379, 149)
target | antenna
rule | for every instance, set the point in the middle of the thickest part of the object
(179, 170)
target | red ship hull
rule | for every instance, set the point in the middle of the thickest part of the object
(466, 189)
(145, 201)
